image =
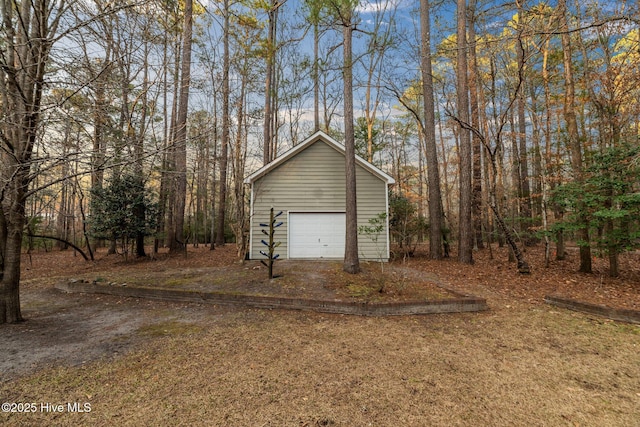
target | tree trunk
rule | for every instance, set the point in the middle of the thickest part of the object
(524, 193)
(177, 243)
(27, 34)
(10, 285)
(351, 259)
(377, 48)
(140, 209)
(609, 230)
(523, 266)
(62, 222)
(431, 153)
(574, 137)
(465, 240)
(238, 170)
(164, 177)
(516, 184)
(171, 175)
(99, 124)
(496, 157)
(316, 76)
(269, 91)
(222, 203)
(475, 123)
(536, 197)
(212, 231)
(15, 173)
(3, 241)
(550, 164)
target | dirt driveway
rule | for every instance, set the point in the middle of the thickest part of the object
(72, 329)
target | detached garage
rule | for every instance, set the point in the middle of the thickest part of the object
(307, 183)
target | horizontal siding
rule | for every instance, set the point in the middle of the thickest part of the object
(371, 202)
(314, 180)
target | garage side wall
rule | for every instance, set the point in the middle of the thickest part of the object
(313, 181)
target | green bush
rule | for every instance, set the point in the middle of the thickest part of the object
(122, 210)
(610, 195)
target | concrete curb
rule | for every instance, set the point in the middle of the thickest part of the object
(454, 305)
(629, 316)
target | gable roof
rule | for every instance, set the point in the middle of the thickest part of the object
(318, 136)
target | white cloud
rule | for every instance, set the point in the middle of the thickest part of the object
(381, 6)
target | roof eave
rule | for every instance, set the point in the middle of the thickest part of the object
(312, 139)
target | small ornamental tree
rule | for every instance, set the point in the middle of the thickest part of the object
(269, 230)
(114, 211)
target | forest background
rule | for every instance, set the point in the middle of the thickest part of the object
(508, 122)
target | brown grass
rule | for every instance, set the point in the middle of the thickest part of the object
(522, 363)
(255, 368)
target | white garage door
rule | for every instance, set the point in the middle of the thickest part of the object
(316, 235)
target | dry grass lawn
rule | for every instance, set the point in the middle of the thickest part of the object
(519, 364)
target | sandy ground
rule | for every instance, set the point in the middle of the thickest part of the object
(72, 329)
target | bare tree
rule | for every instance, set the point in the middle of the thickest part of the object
(465, 239)
(429, 129)
(491, 136)
(380, 40)
(176, 240)
(475, 95)
(351, 260)
(28, 31)
(343, 11)
(224, 144)
(270, 81)
(315, 7)
(573, 133)
(524, 189)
